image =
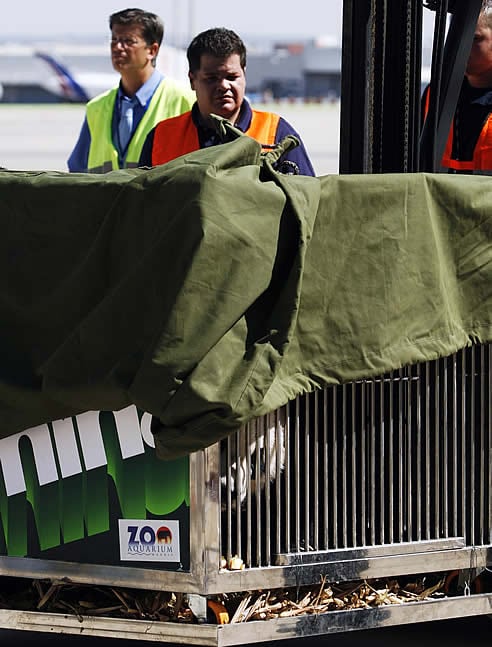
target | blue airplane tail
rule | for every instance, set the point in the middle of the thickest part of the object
(69, 88)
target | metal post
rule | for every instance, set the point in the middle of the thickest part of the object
(380, 101)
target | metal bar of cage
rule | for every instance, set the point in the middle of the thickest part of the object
(398, 460)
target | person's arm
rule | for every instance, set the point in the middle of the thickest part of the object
(297, 155)
(146, 152)
(79, 157)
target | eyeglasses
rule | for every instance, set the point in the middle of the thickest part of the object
(126, 43)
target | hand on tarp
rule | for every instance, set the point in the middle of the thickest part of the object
(225, 130)
(228, 133)
(274, 156)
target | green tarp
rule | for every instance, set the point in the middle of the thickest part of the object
(211, 290)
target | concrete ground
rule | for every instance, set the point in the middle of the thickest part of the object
(41, 137)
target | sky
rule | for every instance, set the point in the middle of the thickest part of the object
(61, 18)
(266, 20)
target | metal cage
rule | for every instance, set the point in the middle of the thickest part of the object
(383, 477)
(396, 461)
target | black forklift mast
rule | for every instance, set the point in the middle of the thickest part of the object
(381, 130)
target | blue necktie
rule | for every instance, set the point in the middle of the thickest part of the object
(126, 121)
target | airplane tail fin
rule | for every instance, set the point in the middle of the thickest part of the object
(68, 87)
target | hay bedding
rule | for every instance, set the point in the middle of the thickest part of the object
(81, 600)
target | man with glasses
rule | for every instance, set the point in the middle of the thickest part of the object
(117, 122)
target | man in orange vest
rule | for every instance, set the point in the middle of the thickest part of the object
(469, 144)
(217, 63)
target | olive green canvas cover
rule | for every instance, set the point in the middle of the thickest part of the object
(212, 289)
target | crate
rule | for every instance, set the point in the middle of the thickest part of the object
(381, 478)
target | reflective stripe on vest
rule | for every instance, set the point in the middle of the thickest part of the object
(482, 154)
(169, 99)
(178, 136)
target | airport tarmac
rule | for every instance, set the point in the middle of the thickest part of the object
(41, 137)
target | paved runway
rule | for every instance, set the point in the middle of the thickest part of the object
(41, 137)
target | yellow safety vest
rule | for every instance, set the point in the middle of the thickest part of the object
(170, 99)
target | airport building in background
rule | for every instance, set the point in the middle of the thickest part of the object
(303, 70)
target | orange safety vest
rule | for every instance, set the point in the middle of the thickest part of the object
(178, 135)
(482, 155)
